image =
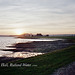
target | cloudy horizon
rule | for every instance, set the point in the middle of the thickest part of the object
(37, 16)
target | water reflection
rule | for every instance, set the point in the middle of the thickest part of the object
(2, 53)
(8, 41)
(22, 54)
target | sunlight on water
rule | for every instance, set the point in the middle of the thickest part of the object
(8, 41)
(2, 53)
(23, 54)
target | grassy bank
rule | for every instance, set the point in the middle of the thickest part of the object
(37, 37)
(46, 64)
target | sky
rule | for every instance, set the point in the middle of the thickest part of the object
(37, 16)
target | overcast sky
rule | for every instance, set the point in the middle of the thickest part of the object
(37, 16)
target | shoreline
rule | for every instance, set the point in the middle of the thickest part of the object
(35, 47)
(46, 63)
(40, 46)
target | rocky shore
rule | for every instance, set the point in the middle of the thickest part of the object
(40, 46)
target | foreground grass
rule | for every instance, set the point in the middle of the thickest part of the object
(46, 63)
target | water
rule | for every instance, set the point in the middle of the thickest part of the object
(8, 41)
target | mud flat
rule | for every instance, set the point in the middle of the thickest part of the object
(30, 49)
(40, 46)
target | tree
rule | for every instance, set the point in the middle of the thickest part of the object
(39, 34)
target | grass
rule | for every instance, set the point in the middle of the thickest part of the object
(61, 37)
(64, 37)
(46, 63)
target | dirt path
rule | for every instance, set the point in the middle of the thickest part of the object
(67, 70)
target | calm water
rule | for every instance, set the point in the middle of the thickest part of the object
(8, 41)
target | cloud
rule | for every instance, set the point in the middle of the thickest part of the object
(37, 13)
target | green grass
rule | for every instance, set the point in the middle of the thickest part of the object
(64, 37)
(61, 37)
(46, 63)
